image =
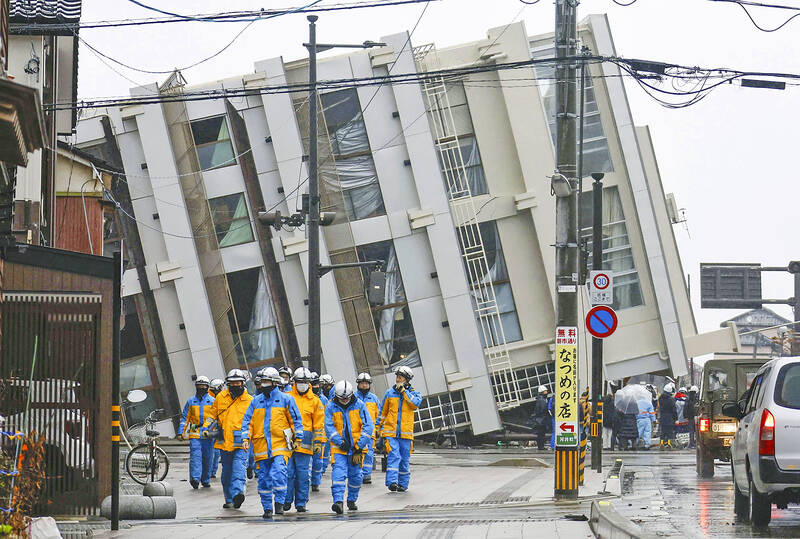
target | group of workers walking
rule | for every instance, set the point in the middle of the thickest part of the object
(292, 429)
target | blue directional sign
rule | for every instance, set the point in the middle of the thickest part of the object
(601, 321)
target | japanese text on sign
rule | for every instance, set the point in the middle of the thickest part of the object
(565, 410)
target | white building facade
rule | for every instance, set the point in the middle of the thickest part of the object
(447, 181)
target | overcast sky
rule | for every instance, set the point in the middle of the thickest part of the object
(730, 160)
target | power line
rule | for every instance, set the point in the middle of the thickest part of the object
(232, 16)
(744, 4)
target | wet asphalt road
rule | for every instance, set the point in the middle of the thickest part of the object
(692, 507)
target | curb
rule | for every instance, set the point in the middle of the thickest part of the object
(606, 523)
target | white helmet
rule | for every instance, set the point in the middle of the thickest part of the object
(216, 384)
(669, 388)
(201, 380)
(694, 389)
(682, 389)
(326, 379)
(405, 372)
(270, 374)
(364, 377)
(542, 389)
(343, 389)
(301, 374)
(235, 375)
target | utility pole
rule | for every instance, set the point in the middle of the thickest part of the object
(564, 184)
(314, 329)
(597, 344)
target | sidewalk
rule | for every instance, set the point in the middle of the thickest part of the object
(452, 494)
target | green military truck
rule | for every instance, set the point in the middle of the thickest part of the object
(724, 380)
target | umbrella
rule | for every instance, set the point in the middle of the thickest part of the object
(627, 398)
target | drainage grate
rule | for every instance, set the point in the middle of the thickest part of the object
(510, 499)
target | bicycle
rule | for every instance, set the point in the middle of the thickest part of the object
(147, 462)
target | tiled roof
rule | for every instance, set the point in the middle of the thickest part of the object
(44, 10)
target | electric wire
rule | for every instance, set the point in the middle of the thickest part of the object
(233, 17)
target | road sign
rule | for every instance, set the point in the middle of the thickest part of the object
(601, 287)
(601, 321)
(566, 387)
(730, 286)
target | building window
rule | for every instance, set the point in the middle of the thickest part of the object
(213, 143)
(617, 252)
(231, 219)
(596, 156)
(497, 274)
(355, 167)
(397, 344)
(459, 157)
(136, 370)
(440, 412)
(252, 320)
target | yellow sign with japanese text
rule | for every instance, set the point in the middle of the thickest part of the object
(565, 409)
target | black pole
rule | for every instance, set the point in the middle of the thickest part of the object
(115, 396)
(597, 344)
(795, 339)
(314, 342)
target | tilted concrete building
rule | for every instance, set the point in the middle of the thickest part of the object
(446, 180)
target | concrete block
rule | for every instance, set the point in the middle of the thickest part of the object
(157, 488)
(141, 507)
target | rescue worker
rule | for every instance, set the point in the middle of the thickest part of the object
(192, 420)
(312, 415)
(644, 421)
(349, 428)
(272, 424)
(668, 414)
(397, 428)
(541, 417)
(251, 459)
(326, 390)
(216, 385)
(317, 466)
(228, 410)
(690, 412)
(286, 377)
(372, 402)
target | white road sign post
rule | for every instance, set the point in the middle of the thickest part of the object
(601, 287)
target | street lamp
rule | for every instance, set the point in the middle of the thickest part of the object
(315, 271)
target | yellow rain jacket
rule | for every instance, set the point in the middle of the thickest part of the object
(313, 416)
(351, 424)
(229, 414)
(264, 423)
(397, 413)
(194, 416)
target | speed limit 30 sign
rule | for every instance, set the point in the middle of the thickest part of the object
(601, 287)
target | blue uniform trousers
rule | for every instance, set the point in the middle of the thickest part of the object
(326, 456)
(251, 459)
(214, 459)
(200, 450)
(645, 426)
(397, 469)
(317, 469)
(369, 459)
(234, 464)
(271, 481)
(299, 479)
(344, 473)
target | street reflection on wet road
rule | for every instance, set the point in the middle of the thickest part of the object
(695, 507)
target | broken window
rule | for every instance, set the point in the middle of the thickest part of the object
(397, 344)
(459, 157)
(617, 251)
(596, 156)
(253, 319)
(497, 274)
(213, 143)
(231, 219)
(355, 167)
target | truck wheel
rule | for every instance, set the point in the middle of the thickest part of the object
(740, 501)
(760, 508)
(705, 463)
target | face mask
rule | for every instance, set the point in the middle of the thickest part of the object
(302, 388)
(201, 392)
(363, 391)
(236, 391)
(266, 390)
(316, 390)
(343, 403)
